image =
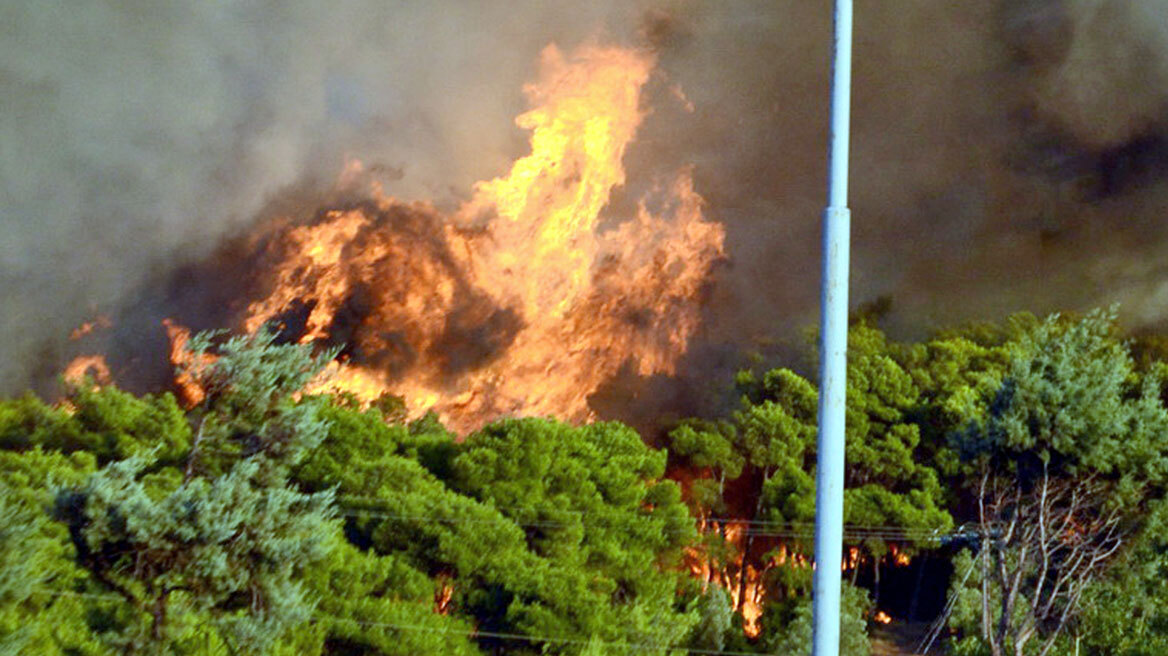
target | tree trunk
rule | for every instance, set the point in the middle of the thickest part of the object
(984, 546)
(158, 626)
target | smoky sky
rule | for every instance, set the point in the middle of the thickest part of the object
(1007, 155)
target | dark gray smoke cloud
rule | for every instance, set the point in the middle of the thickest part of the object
(1007, 155)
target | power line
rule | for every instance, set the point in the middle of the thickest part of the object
(860, 535)
(783, 527)
(796, 531)
(573, 511)
(935, 630)
(720, 520)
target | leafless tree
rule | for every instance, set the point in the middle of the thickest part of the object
(1044, 540)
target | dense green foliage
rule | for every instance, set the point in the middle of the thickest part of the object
(795, 636)
(265, 521)
(932, 429)
(1127, 612)
(768, 447)
(207, 547)
(528, 528)
(1065, 465)
(211, 530)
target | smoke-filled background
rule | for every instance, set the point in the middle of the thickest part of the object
(1008, 155)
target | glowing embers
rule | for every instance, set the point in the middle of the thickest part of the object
(518, 303)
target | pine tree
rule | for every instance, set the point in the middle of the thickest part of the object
(1061, 465)
(222, 536)
(22, 571)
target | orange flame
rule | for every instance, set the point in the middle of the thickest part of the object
(528, 297)
(851, 559)
(189, 389)
(93, 366)
(586, 112)
(442, 595)
(899, 558)
(748, 594)
(751, 602)
(102, 322)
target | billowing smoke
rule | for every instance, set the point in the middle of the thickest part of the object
(1008, 155)
(135, 135)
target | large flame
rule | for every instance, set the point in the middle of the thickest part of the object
(528, 297)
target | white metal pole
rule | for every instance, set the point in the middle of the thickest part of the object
(829, 494)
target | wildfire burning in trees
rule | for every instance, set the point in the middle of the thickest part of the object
(91, 366)
(526, 298)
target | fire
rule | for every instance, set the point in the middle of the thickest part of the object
(586, 112)
(102, 322)
(899, 558)
(189, 389)
(317, 249)
(443, 595)
(93, 366)
(529, 296)
(852, 559)
(746, 587)
(751, 603)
